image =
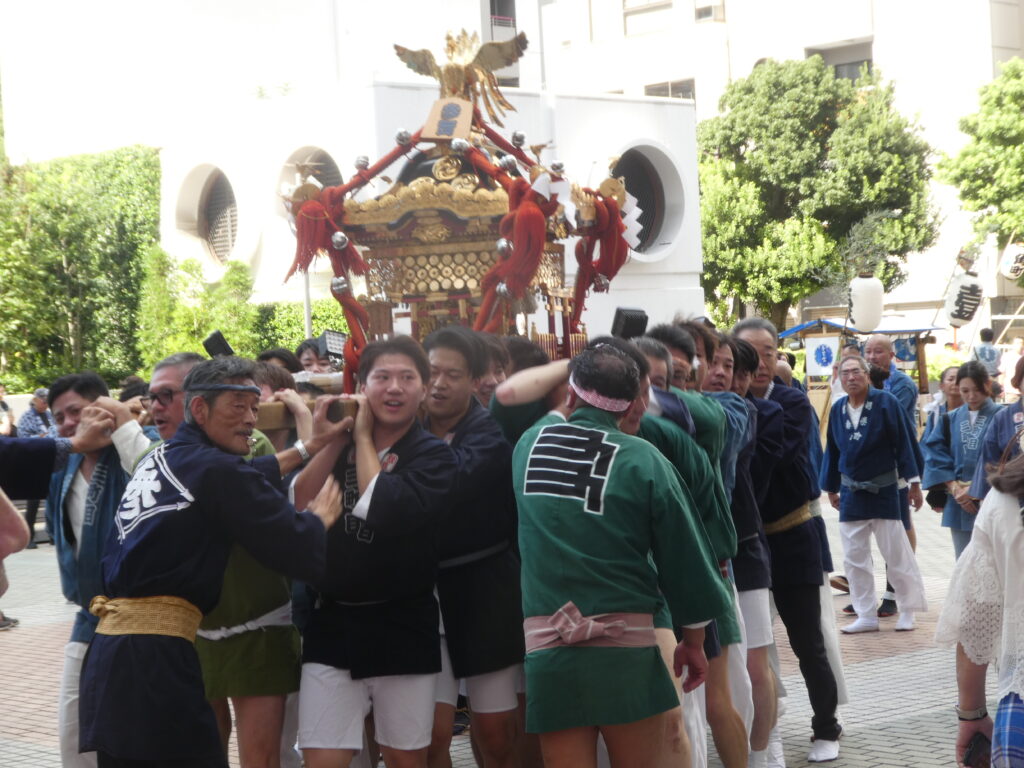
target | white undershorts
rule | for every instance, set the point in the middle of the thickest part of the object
(333, 706)
(491, 692)
(757, 616)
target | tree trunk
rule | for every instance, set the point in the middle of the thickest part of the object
(780, 314)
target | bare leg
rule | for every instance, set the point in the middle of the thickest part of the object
(260, 720)
(675, 750)
(637, 744)
(439, 751)
(765, 702)
(571, 748)
(372, 747)
(328, 758)
(496, 737)
(727, 727)
(222, 712)
(404, 758)
(529, 743)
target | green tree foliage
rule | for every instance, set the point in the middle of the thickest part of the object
(282, 324)
(989, 170)
(795, 160)
(178, 310)
(72, 235)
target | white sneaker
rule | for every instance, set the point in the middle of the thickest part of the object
(757, 759)
(860, 625)
(823, 751)
(776, 755)
(905, 623)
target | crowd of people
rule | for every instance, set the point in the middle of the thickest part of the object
(590, 552)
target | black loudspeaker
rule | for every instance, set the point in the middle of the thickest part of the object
(217, 346)
(331, 346)
(629, 323)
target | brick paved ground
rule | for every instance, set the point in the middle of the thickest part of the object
(902, 688)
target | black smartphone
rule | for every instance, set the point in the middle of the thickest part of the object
(979, 751)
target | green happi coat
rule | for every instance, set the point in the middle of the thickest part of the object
(708, 500)
(587, 539)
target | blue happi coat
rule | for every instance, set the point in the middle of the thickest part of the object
(999, 434)
(882, 441)
(736, 423)
(141, 696)
(957, 458)
(79, 561)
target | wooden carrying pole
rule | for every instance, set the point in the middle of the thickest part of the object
(277, 416)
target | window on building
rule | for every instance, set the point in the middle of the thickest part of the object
(325, 169)
(851, 69)
(677, 89)
(643, 182)
(641, 17)
(709, 10)
(847, 59)
(219, 224)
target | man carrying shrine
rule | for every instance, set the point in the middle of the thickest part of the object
(609, 504)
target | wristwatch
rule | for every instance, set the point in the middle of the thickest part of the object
(967, 715)
(303, 451)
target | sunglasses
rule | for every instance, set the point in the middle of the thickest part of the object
(165, 397)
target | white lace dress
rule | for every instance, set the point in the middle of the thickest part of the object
(984, 610)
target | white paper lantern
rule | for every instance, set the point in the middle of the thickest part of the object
(1011, 266)
(963, 299)
(867, 295)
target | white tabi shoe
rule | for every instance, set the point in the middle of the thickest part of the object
(823, 751)
(860, 625)
(905, 623)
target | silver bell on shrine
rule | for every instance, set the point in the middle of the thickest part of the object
(503, 291)
(339, 286)
(340, 241)
(362, 163)
(518, 138)
(504, 247)
(403, 137)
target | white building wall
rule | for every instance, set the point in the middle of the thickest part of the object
(938, 54)
(247, 86)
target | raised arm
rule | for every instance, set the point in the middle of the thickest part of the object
(532, 384)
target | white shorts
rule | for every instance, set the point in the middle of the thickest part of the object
(757, 616)
(333, 706)
(491, 692)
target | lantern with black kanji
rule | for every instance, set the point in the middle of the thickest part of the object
(963, 299)
(1011, 266)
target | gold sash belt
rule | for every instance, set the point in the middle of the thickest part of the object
(792, 520)
(162, 615)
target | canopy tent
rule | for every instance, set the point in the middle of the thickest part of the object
(890, 326)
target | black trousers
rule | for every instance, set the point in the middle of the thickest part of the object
(31, 512)
(800, 610)
(103, 760)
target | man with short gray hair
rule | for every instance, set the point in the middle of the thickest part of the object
(142, 697)
(870, 447)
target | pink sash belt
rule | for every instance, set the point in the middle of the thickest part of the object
(567, 626)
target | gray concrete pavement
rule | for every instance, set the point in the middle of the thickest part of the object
(902, 688)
